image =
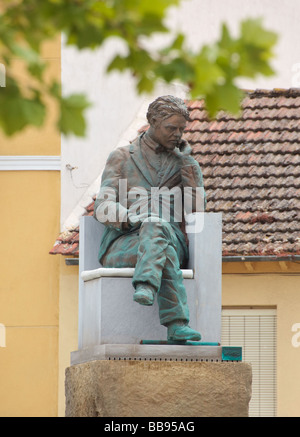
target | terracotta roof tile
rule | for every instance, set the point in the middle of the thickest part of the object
(251, 170)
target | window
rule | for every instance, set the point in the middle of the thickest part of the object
(255, 331)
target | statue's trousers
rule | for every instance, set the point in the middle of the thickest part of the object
(157, 255)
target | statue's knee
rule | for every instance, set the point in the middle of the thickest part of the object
(171, 253)
(153, 219)
(157, 221)
(158, 224)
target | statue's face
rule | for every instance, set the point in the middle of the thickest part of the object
(168, 132)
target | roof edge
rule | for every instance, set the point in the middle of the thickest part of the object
(239, 258)
(274, 92)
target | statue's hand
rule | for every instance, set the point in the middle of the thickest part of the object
(183, 145)
(183, 152)
(153, 218)
(135, 219)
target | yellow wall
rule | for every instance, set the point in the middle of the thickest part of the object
(68, 323)
(29, 288)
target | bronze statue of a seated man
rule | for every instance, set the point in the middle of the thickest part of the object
(144, 230)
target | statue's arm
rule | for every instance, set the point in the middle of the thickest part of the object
(191, 176)
(109, 208)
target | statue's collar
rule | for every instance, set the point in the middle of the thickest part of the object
(136, 144)
(137, 157)
(149, 141)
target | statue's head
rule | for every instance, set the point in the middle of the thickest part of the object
(166, 106)
(167, 117)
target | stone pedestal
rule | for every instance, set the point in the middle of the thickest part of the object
(107, 312)
(144, 388)
(113, 375)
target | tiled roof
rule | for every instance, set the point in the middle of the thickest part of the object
(251, 170)
(67, 242)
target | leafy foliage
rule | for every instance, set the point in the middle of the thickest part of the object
(210, 73)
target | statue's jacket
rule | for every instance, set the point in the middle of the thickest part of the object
(131, 177)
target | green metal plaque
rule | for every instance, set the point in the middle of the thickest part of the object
(231, 353)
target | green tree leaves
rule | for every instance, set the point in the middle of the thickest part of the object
(210, 73)
(71, 118)
(18, 111)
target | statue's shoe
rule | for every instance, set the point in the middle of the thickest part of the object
(144, 295)
(182, 333)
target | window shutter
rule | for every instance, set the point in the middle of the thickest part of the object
(255, 331)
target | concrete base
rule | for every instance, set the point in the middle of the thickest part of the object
(126, 388)
(146, 352)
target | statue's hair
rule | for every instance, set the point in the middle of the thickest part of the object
(166, 106)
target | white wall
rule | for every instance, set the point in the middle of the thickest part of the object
(118, 111)
(200, 20)
(113, 109)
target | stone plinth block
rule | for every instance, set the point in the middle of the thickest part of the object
(107, 312)
(126, 388)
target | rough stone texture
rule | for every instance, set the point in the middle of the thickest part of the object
(108, 388)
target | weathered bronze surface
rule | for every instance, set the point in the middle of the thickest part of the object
(144, 228)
